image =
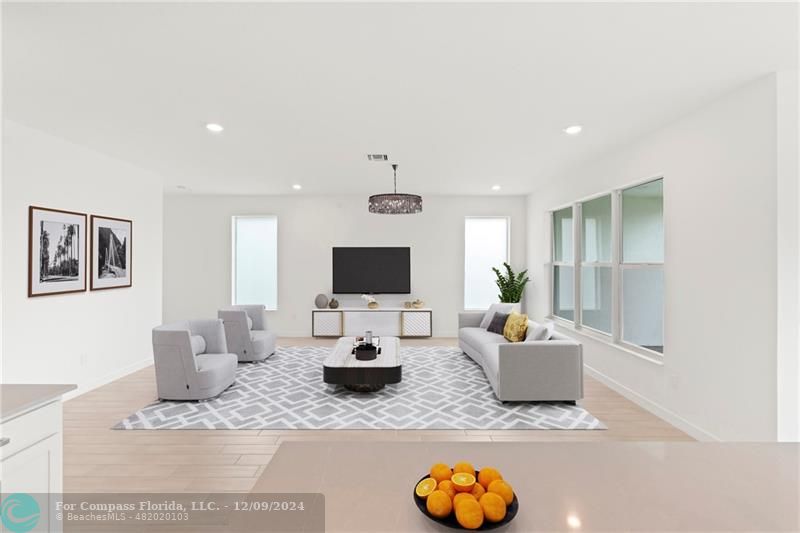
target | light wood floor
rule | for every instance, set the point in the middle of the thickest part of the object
(98, 459)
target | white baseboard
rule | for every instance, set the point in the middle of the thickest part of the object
(655, 408)
(108, 378)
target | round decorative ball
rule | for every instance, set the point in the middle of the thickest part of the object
(334, 303)
(321, 301)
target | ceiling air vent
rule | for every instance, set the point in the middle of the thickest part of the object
(377, 157)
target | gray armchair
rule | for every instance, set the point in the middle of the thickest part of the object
(192, 361)
(246, 332)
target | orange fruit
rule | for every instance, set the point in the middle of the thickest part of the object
(502, 489)
(478, 491)
(439, 504)
(487, 475)
(447, 487)
(425, 487)
(460, 497)
(494, 508)
(463, 482)
(469, 513)
(464, 467)
(440, 472)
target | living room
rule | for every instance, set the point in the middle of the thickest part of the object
(349, 175)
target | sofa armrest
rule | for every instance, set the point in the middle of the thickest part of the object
(541, 370)
(470, 319)
(213, 332)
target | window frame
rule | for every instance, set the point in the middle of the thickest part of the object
(234, 218)
(616, 337)
(554, 264)
(507, 218)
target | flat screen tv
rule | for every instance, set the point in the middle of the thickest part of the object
(372, 270)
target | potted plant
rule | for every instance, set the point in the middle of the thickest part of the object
(511, 285)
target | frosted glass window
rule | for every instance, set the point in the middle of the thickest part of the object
(564, 292)
(643, 307)
(597, 230)
(643, 223)
(485, 246)
(596, 292)
(255, 261)
(562, 236)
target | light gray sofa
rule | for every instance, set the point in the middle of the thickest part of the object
(246, 332)
(192, 361)
(548, 370)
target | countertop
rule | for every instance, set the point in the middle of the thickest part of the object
(18, 398)
(561, 486)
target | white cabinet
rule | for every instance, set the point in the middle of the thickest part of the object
(395, 322)
(31, 444)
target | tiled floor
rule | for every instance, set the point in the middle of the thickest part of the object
(98, 459)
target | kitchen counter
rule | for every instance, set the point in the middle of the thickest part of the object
(561, 486)
(16, 399)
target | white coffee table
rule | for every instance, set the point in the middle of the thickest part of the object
(342, 368)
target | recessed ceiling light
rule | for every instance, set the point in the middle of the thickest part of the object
(573, 521)
(214, 128)
(573, 130)
(495, 187)
(297, 186)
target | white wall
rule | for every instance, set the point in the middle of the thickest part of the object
(83, 338)
(718, 378)
(197, 250)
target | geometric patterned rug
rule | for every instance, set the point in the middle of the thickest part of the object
(441, 388)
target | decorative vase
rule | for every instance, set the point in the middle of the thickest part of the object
(334, 303)
(321, 301)
(372, 305)
(418, 304)
(407, 305)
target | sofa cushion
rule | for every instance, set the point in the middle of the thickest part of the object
(538, 333)
(198, 344)
(498, 323)
(479, 338)
(516, 327)
(495, 308)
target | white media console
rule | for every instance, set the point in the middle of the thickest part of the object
(389, 321)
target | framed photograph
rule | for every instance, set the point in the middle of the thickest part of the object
(112, 253)
(56, 251)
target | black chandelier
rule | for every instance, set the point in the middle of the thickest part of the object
(395, 203)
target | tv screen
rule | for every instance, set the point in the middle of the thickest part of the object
(372, 270)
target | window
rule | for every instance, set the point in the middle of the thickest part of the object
(596, 267)
(255, 261)
(486, 244)
(618, 286)
(643, 265)
(563, 265)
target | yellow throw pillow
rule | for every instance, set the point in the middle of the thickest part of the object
(516, 327)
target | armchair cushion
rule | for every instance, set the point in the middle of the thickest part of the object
(198, 344)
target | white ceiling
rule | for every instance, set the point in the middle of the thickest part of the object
(463, 96)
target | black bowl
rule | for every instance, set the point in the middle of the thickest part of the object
(451, 521)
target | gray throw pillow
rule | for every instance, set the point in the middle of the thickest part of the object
(498, 323)
(495, 308)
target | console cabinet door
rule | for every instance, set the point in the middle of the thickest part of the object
(379, 322)
(416, 324)
(327, 324)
